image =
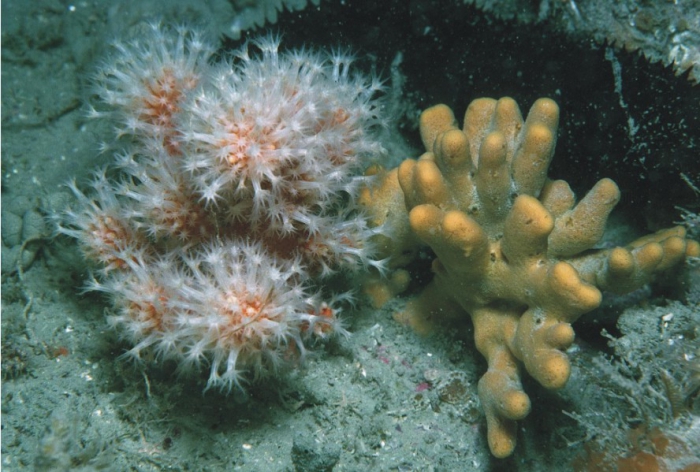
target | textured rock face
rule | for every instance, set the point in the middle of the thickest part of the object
(515, 251)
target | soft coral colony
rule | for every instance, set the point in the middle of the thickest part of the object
(514, 250)
(231, 197)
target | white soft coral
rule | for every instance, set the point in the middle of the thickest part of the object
(278, 135)
(233, 199)
(232, 306)
(147, 78)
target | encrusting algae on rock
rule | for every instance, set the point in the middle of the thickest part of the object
(514, 250)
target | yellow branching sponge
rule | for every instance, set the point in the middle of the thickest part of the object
(514, 249)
